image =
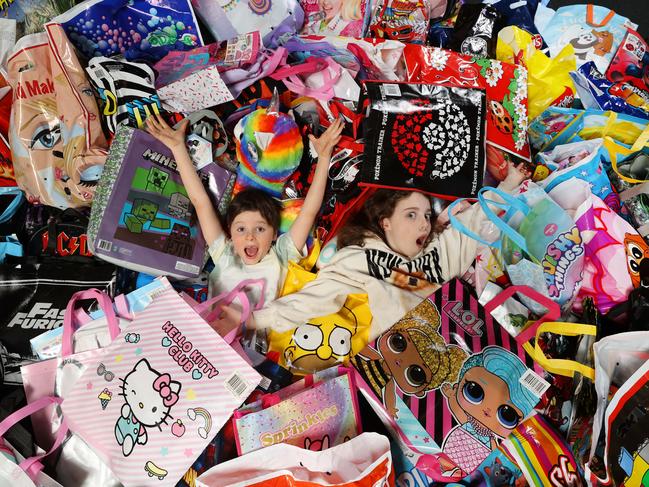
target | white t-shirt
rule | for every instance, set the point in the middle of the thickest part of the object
(229, 269)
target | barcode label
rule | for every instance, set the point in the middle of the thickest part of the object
(157, 292)
(106, 245)
(392, 90)
(236, 384)
(534, 383)
(181, 266)
(265, 383)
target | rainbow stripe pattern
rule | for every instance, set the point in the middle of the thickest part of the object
(267, 166)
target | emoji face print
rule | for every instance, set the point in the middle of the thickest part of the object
(636, 251)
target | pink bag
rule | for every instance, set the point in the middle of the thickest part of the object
(178, 381)
(313, 415)
(40, 378)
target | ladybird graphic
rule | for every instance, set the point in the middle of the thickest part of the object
(501, 117)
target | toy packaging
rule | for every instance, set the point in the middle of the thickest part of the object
(425, 137)
(143, 217)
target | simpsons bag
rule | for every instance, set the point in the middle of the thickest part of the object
(450, 381)
(142, 218)
(425, 137)
(174, 386)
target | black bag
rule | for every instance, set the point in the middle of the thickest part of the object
(33, 298)
(425, 137)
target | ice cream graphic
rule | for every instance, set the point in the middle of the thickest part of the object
(105, 397)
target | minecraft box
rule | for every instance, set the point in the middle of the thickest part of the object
(142, 218)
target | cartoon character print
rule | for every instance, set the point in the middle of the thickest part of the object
(636, 251)
(412, 355)
(500, 117)
(148, 397)
(592, 43)
(488, 402)
(317, 445)
(325, 341)
(495, 475)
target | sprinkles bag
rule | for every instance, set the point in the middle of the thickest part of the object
(428, 373)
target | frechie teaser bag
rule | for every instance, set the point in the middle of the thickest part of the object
(142, 218)
(437, 370)
(33, 298)
(425, 137)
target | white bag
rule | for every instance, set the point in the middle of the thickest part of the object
(364, 461)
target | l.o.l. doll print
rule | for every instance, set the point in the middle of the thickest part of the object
(488, 401)
(412, 356)
(149, 396)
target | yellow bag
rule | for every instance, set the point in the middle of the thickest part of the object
(323, 341)
(548, 79)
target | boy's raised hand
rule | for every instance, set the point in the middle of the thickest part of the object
(324, 145)
(173, 139)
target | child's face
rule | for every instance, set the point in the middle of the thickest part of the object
(485, 397)
(252, 236)
(407, 368)
(407, 230)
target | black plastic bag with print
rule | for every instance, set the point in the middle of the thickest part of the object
(425, 137)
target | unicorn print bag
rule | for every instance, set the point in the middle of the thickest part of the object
(158, 394)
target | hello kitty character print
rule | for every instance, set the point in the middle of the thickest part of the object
(149, 396)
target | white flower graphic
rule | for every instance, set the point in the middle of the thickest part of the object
(494, 73)
(438, 59)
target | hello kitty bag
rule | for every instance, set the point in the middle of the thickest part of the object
(173, 390)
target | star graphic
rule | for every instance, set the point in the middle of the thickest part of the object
(89, 385)
(427, 440)
(164, 451)
(138, 351)
(478, 258)
(188, 452)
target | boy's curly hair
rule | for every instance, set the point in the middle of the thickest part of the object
(254, 200)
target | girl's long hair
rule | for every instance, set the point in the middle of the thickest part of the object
(367, 222)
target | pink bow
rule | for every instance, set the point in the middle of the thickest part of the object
(161, 384)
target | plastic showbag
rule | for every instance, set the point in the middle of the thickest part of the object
(56, 139)
(364, 461)
(548, 79)
(137, 29)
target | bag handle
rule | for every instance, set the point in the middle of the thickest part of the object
(11, 208)
(32, 465)
(590, 13)
(311, 65)
(563, 367)
(106, 306)
(553, 313)
(295, 44)
(460, 227)
(511, 205)
(642, 141)
(612, 146)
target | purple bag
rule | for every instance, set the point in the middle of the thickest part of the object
(144, 220)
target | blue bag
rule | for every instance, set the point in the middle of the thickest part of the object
(137, 29)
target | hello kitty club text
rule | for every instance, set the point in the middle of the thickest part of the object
(184, 353)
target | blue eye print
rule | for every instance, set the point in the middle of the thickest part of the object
(45, 137)
(473, 392)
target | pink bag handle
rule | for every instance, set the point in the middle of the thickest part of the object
(106, 306)
(326, 91)
(311, 65)
(32, 465)
(553, 314)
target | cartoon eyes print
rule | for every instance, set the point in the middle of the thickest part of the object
(635, 256)
(507, 415)
(45, 137)
(636, 251)
(414, 374)
(340, 341)
(308, 337)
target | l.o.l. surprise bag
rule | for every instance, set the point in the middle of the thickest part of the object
(155, 398)
(450, 381)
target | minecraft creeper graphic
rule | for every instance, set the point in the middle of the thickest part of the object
(156, 180)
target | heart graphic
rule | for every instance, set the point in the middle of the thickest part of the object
(119, 358)
(196, 374)
(166, 341)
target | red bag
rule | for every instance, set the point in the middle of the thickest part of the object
(505, 85)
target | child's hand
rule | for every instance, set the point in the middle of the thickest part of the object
(515, 176)
(324, 145)
(173, 139)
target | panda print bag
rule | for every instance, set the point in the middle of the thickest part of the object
(157, 395)
(425, 137)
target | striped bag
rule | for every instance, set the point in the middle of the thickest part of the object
(450, 381)
(158, 394)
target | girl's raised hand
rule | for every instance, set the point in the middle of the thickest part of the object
(515, 176)
(324, 145)
(173, 139)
